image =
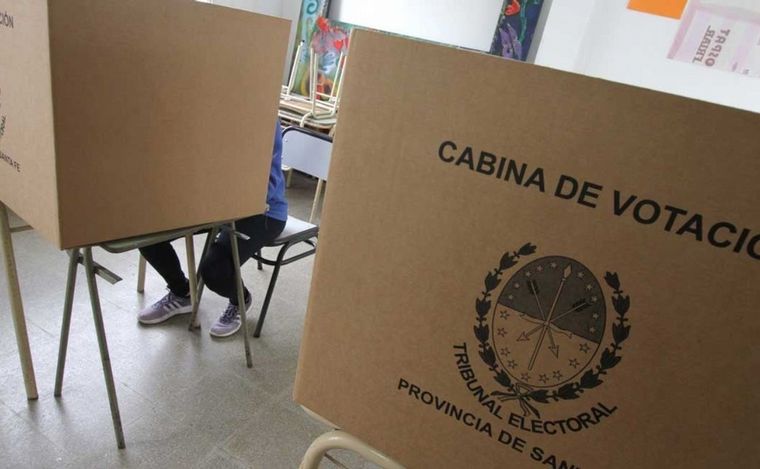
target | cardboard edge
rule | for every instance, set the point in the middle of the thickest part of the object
(58, 241)
(305, 341)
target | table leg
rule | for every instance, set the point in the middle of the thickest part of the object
(317, 195)
(289, 178)
(105, 359)
(68, 304)
(241, 296)
(17, 308)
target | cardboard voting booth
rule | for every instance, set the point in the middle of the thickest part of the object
(126, 118)
(521, 267)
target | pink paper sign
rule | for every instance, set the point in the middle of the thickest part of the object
(719, 36)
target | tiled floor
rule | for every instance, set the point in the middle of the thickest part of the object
(186, 400)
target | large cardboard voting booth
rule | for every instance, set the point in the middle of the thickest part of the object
(120, 120)
(125, 118)
(521, 267)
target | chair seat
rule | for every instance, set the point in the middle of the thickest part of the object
(295, 230)
(127, 244)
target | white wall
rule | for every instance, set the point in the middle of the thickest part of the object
(602, 38)
(466, 23)
(288, 9)
(267, 7)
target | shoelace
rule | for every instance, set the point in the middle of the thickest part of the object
(165, 300)
(229, 314)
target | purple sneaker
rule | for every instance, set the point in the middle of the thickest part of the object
(229, 322)
(168, 306)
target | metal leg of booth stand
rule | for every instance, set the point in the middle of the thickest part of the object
(338, 439)
(194, 324)
(68, 304)
(240, 295)
(141, 264)
(17, 308)
(105, 359)
(191, 269)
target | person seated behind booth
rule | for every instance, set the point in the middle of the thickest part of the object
(217, 268)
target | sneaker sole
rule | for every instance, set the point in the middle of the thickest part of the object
(228, 334)
(166, 317)
(221, 336)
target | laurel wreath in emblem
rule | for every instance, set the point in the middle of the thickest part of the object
(2, 118)
(2, 122)
(523, 393)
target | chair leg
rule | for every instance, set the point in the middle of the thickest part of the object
(68, 304)
(241, 296)
(338, 439)
(105, 359)
(141, 274)
(258, 260)
(270, 291)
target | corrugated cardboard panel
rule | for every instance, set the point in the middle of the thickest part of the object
(27, 159)
(164, 114)
(487, 293)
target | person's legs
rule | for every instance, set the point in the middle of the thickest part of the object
(163, 258)
(218, 271)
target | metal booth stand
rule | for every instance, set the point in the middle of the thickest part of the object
(129, 244)
(17, 307)
(83, 256)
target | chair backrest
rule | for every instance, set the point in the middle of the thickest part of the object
(306, 151)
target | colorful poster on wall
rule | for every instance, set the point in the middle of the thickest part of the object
(514, 31)
(310, 11)
(328, 38)
(720, 34)
(668, 8)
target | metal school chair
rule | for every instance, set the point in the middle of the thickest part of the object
(195, 279)
(305, 151)
(340, 440)
(308, 152)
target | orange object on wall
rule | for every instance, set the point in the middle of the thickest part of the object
(669, 8)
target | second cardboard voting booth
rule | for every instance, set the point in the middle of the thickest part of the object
(534, 268)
